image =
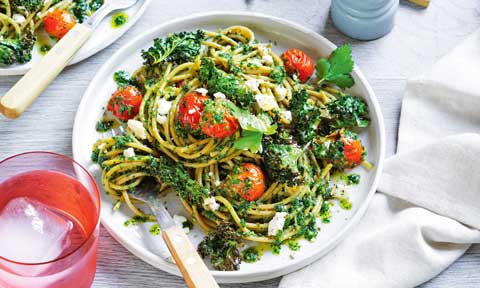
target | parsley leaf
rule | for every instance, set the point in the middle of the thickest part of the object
(337, 68)
(250, 140)
(260, 123)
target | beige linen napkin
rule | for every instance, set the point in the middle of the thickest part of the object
(427, 211)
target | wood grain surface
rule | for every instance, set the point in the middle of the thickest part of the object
(420, 37)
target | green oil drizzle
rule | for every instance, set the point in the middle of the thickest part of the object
(345, 204)
(251, 255)
(119, 19)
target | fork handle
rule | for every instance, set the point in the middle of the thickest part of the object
(37, 79)
(191, 266)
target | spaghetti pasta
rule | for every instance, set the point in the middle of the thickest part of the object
(257, 92)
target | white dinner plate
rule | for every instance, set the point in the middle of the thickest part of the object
(103, 35)
(284, 35)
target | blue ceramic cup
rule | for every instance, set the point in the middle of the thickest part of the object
(364, 19)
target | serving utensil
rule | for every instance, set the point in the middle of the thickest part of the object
(192, 267)
(37, 79)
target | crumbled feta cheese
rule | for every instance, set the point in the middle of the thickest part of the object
(19, 18)
(210, 173)
(211, 204)
(255, 62)
(162, 119)
(267, 59)
(286, 115)
(266, 102)
(276, 223)
(282, 92)
(263, 49)
(179, 220)
(137, 128)
(127, 153)
(100, 147)
(163, 106)
(202, 91)
(252, 84)
(219, 95)
(217, 183)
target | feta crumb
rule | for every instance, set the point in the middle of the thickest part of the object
(263, 49)
(276, 223)
(219, 95)
(127, 153)
(266, 102)
(267, 59)
(255, 62)
(286, 115)
(202, 91)
(19, 18)
(137, 128)
(163, 106)
(217, 182)
(210, 173)
(162, 119)
(179, 220)
(211, 204)
(252, 84)
(282, 92)
(100, 147)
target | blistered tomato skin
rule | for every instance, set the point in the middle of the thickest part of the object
(125, 103)
(190, 110)
(249, 183)
(297, 62)
(58, 22)
(353, 151)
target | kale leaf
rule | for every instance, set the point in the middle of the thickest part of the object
(123, 79)
(281, 162)
(221, 246)
(305, 117)
(220, 81)
(81, 9)
(347, 112)
(178, 47)
(30, 5)
(18, 50)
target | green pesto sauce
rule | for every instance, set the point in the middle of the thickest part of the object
(345, 204)
(118, 20)
(43, 49)
(44, 44)
(155, 229)
(293, 245)
(251, 255)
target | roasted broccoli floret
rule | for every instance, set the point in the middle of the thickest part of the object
(29, 5)
(281, 162)
(220, 81)
(16, 50)
(221, 246)
(179, 47)
(347, 112)
(305, 117)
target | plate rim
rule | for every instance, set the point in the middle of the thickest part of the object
(6, 71)
(239, 276)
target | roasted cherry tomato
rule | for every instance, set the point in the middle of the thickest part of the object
(296, 61)
(353, 151)
(217, 121)
(58, 22)
(248, 182)
(190, 109)
(125, 102)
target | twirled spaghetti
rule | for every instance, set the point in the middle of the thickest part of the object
(302, 141)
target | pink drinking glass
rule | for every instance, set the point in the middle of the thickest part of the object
(69, 192)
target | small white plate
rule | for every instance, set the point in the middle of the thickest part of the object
(103, 35)
(285, 35)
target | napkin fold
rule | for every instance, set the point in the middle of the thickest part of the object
(426, 212)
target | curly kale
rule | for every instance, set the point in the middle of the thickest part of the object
(29, 5)
(175, 175)
(332, 151)
(347, 112)
(221, 246)
(281, 162)
(123, 79)
(179, 47)
(220, 81)
(18, 50)
(81, 9)
(305, 117)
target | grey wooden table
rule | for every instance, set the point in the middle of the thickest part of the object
(418, 40)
